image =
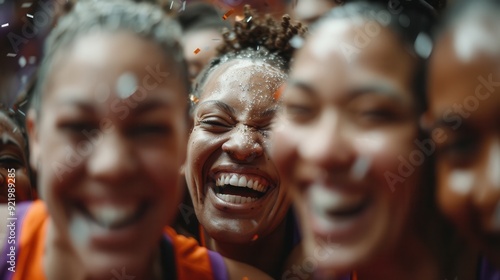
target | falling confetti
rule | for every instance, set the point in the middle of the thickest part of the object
(255, 237)
(26, 5)
(423, 45)
(11, 55)
(278, 92)
(126, 85)
(30, 16)
(227, 14)
(183, 6)
(193, 99)
(249, 19)
(296, 42)
(5, 25)
(197, 51)
(22, 61)
(171, 4)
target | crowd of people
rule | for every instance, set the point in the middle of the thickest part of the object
(309, 139)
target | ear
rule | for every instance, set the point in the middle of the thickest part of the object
(33, 138)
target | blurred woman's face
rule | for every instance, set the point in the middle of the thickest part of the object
(13, 163)
(234, 184)
(110, 140)
(464, 98)
(344, 144)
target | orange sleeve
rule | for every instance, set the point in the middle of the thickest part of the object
(31, 243)
(192, 260)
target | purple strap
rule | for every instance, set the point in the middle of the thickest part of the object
(218, 265)
(488, 272)
(20, 213)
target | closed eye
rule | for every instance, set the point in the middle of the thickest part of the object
(215, 124)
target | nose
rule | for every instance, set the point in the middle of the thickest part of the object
(112, 159)
(327, 145)
(244, 144)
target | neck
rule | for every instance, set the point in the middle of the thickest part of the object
(411, 261)
(267, 253)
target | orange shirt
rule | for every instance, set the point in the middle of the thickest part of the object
(31, 220)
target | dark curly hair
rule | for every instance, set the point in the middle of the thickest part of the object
(256, 38)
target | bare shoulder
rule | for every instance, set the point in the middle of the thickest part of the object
(239, 271)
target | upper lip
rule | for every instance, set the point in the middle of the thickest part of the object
(241, 170)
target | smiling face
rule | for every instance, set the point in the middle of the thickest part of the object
(464, 96)
(234, 185)
(13, 157)
(109, 157)
(345, 131)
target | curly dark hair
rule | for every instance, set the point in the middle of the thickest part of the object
(256, 38)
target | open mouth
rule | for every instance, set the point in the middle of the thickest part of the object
(336, 206)
(114, 216)
(240, 188)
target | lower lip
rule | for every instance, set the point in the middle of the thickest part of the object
(340, 229)
(240, 207)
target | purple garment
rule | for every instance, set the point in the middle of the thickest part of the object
(219, 269)
(20, 213)
(487, 271)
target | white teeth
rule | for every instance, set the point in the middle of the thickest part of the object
(236, 199)
(109, 216)
(242, 182)
(238, 180)
(234, 180)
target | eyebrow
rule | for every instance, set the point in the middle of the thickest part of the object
(223, 106)
(141, 106)
(371, 88)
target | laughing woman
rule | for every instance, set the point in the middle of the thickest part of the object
(346, 148)
(235, 187)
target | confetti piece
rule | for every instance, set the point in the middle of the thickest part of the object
(197, 51)
(255, 237)
(126, 85)
(193, 99)
(14, 130)
(183, 6)
(22, 61)
(278, 92)
(249, 19)
(5, 25)
(11, 55)
(32, 59)
(26, 5)
(171, 4)
(22, 113)
(30, 16)
(226, 15)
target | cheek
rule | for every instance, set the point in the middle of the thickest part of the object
(23, 185)
(283, 147)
